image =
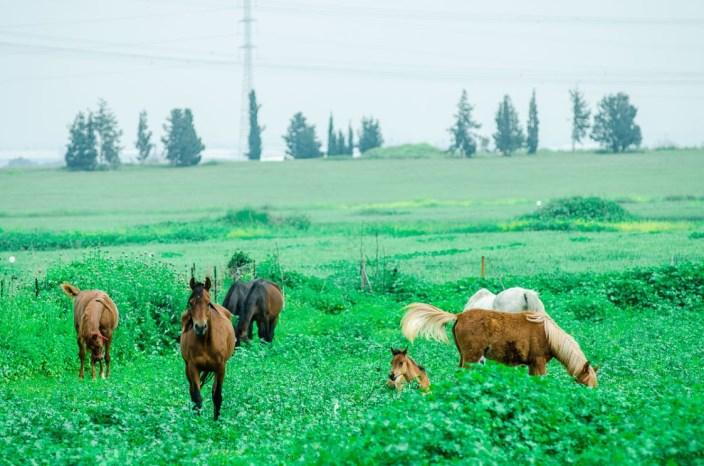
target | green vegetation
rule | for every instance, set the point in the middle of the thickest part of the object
(300, 138)
(370, 135)
(464, 137)
(623, 273)
(614, 124)
(181, 142)
(254, 138)
(405, 151)
(509, 136)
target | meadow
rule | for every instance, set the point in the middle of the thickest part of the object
(630, 290)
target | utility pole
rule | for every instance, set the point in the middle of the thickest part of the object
(247, 82)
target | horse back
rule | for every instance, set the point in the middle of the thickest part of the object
(91, 301)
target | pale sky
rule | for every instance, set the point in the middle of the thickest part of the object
(402, 61)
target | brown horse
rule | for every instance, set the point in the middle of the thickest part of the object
(206, 344)
(95, 318)
(525, 338)
(258, 301)
(405, 370)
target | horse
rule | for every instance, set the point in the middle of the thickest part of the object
(206, 344)
(259, 300)
(524, 338)
(510, 300)
(405, 370)
(95, 318)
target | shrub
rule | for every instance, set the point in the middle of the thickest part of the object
(247, 216)
(588, 306)
(239, 261)
(581, 208)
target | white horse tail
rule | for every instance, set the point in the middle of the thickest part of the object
(533, 302)
(427, 321)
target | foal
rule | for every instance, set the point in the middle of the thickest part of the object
(405, 370)
(95, 318)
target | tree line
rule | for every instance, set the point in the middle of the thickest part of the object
(613, 127)
(94, 136)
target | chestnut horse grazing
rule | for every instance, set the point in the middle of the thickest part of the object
(258, 301)
(405, 370)
(523, 338)
(95, 318)
(207, 342)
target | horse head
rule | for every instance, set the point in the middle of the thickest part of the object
(400, 368)
(587, 375)
(199, 306)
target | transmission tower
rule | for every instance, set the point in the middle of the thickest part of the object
(247, 82)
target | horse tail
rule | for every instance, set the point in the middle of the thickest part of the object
(427, 321)
(205, 377)
(533, 302)
(70, 290)
(562, 344)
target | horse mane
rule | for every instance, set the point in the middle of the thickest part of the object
(562, 344)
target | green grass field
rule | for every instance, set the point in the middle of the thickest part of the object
(629, 291)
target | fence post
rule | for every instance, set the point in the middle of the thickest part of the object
(482, 273)
(215, 276)
(36, 287)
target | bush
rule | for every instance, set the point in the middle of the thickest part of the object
(247, 216)
(581, 208)
(406, 151)
(589, 306)
(239, 261)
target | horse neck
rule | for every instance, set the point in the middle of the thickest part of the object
(564, 347)
(417, 373)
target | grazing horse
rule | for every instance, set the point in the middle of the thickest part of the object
(524, 338)
(510, 300)
(206, 344)
(258, 301)
(405, 370)
(95, 318)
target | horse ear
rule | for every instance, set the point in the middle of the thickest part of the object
(207, 283)
(394, 351)
(596, 368)
(404, 351)
(193, 283)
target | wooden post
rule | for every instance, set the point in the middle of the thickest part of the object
(482, 273)
(193, 270)
(215, 282)
(36, 287)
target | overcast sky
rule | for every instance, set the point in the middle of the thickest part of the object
(403, 61)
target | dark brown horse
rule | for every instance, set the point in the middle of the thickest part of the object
(95, 318)
(257, 301)
(207, 342)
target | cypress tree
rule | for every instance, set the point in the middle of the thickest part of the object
(509, 135)
(462, 132)
(332, 138)
(300, 138)
(255, 131)
(580, 117)
(144, 144)
(370, 135)
(350, 141)
(109, 134)
(532, 126)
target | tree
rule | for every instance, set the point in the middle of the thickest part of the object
(614, 123)
(532, 126)
(182, 144)
(81, 153)
(341, 145)
(109, 134)
(580, 116)
(350, 141)
(144, 144)
(464, 139)
(509, 135)
(370, 134)
(255, 131)
(301, 142)
(332, 138)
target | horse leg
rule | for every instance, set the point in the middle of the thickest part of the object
(217, 391)
(538, 367)
(81, 356)
(471, 355)
(107, 357)
(262, 328)
(193, 377)
(100, 365)
(272, 327)
(92, 367)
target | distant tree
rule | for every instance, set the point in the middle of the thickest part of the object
(144, 143)
(109, 135)
(341, 144)
(332, 138)
(182, 144)
(509, 135)
(580, 116)
(464, 139)
(81, 152)
(350, 141)
(255, 131)
(532, 126)
(370, 134)
(614, 123)
(301, 142)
